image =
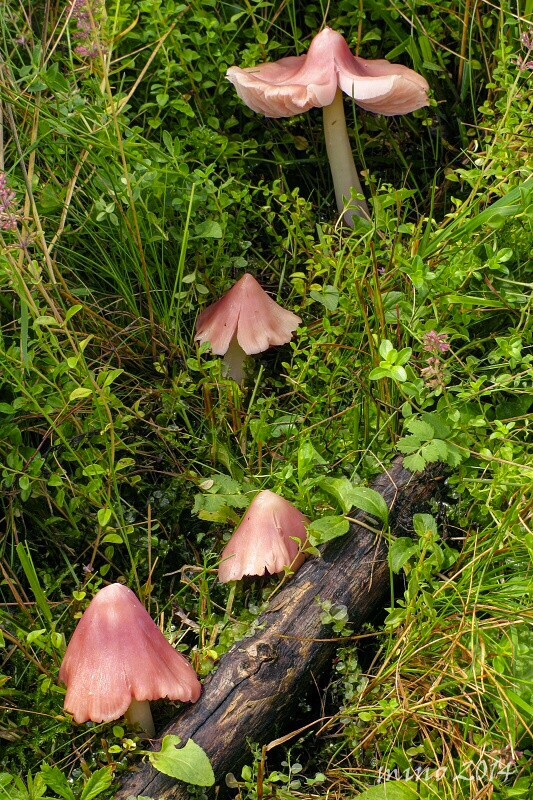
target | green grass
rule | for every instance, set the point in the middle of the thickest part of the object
(145, 189)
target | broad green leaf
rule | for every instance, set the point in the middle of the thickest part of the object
(408, 444)
(112, 538)
(307, 458)
(322, 530)
(57, 781)
(440, 428)
(328, 297)
(341, 489)
(423, 523)
(414, 463)
(370, 501)
(390, 790)
(189, 764)
(107, 377)
(435, 450)
(99, 781)
(422, 430)
(400, 552)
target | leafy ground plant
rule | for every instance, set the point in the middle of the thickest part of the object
(134, 190)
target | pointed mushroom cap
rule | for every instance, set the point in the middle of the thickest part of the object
(249, 313)
(117, 653)
(295, 84)
(264, 542)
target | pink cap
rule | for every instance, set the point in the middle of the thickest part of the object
(118, 653)
(295, 84)
(249, 314)
(265, 539)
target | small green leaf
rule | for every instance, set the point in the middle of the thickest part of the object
(107, 377)
(440, 428)
(400, 552)
(379, 372)
(322, 530)
(414, 463)
(307, 458)
(32, 636)
(208, 230)
(46, 321)
(189, 764)
(424, 524)
(112, 538)
(385, 348)
(404, 356)
(423, 430)
(398, 373)
(72, 311)
(104, 515)
(79, 393)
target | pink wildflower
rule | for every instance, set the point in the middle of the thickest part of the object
(435, 342)
(87, 14)
(8, 216)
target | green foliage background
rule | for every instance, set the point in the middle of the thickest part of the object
(145, 189)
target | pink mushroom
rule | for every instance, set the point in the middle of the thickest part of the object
(269, 538)
(295, 84)
(118, 659)
(243, 322)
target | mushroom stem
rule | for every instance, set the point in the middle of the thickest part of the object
(341, 161)
(139, 717)
(235, 357)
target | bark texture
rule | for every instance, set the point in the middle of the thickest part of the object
(255, 692)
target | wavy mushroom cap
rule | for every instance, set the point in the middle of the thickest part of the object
(265, 539)
(295, 84)
(249, 314)
(118, 653)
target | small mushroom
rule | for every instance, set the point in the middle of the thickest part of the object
(118, 660)
(297, 83)
(244, 322)
(269, 538)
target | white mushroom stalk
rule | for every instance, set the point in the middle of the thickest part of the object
(139, 718)
(341, 162)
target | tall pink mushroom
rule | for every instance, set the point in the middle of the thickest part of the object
(244, 322)
(118, 660)
(295, 84)
(269, 538)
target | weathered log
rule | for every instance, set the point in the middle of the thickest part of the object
(263, 678)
